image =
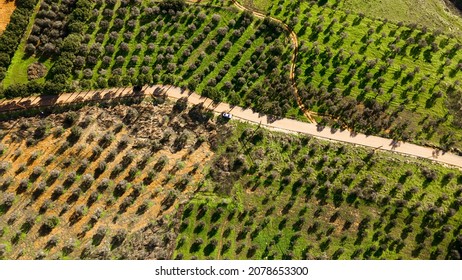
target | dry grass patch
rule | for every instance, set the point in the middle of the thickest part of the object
(99, 182)
(6, 9)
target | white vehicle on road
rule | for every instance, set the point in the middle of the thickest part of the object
(227, 116)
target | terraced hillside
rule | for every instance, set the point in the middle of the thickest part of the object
(160, 180)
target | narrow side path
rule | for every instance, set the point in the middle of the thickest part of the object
(294, 39)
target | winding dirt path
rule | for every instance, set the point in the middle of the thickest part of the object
(247, 115)
(294, 39)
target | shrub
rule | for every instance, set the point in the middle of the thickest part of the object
(52, 242)
(181, 104)
(6, 183)
(76, 132)
(23, 185)
(4, 166)
(87, 180)
(37, 171)
(104, 184)
(216, 18)
(70, 119)
(101, 167)
(106, 139)
(124, 47)
(118, 238)
(8, 199)
(120, 188)
(68, 247)
(49, 224)
(45, 205)
(125, 204)
(75, 194)
(99, 235)
(39, 190)
(57, 192)
(429, 174)
(71, 176)
(128, 158)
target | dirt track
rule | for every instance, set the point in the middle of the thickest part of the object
(294, 39)
(284, 125)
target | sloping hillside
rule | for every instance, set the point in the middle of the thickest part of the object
(98, 182)
(163, 180)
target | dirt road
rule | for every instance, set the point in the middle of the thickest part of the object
(289, 125)
(284, 125)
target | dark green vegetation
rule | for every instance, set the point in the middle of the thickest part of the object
(458, 3)
(217, 51)
(275, 196)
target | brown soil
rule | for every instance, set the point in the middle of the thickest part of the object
(150, 233)
(6, 9)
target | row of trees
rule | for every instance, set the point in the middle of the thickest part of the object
(48, 30)
(11, 37)
(387, 78)
(170, 60)
(61, 70)
(340, 182)
(73, 57)
(85, 184)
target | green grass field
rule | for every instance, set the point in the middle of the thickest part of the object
(434, 14)
(399, 76)
(275, 196)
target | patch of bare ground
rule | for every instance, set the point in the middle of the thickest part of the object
(6, 9)
(100, 183)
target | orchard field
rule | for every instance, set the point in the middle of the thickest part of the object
(210, 48)
(381, 77)
(148, 178)
(99, 182)
(353, 69)
(276, 196)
